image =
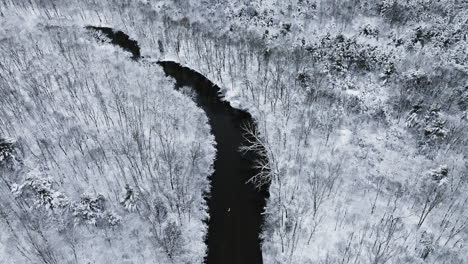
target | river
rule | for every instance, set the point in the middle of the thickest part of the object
(235, 206)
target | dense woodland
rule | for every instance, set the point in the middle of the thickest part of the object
(101, 158)
(362, 109)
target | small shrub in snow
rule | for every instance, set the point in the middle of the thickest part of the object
(430, 127)
(393, 11)
(99, 35)
(8, 154)
(413, 120)
(388, 71)
(112, 219)
(462, 95)
(422, 35)
(439, 175)
(369, 31)
(432, 191)
(129, 199)
(38, 190)
(90, 210)
(172, 239)
(425, 246)
(159, 211)
(435, 125)
(416, 80)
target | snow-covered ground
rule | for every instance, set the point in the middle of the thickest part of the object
(114, 162)
(362, 107)
(354, 181)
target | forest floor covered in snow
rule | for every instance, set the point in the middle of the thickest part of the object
(362, 108)
(106, 160)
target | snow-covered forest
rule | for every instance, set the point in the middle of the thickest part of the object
(361, 108)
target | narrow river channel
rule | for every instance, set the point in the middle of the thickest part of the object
(235, 207)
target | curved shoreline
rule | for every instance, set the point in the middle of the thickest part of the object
(235, 206)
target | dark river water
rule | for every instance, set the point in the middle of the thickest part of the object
(235, 207)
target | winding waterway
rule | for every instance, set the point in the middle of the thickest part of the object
(235, 207)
